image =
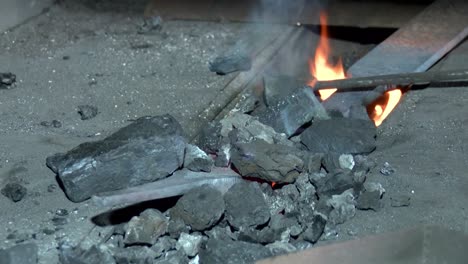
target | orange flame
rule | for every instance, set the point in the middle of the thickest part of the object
(320, 67)
(384, 106)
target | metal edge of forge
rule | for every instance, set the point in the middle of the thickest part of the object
(425, 244)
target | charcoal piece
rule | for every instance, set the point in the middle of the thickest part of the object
(341, 136)
(281, 223)
(279, 87)
(197, 160)
(344, 208)
(210, 137)
(401, 200)
(231, 63)
(314, 229)
(221, 233)
(134, 255)
(292, 112)
(232, 252)
(176, 227)
(335, 183)
(307, 191)
(173, 257)
(245, 205)
(145, 228)
(14, 191)
(190, 244)
(314, 162)
(281, 248)
(87, 111)
(263, 236)
(150, 148)
(7, 79)
(96, 254)
(369, 200)
(200, 208)
(163, 245)
(270, 162)
(19, 254)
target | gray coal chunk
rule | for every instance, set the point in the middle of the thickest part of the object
(281, 248)
(401, 200)
(231, 63)
(314, 162)
(221, 233)
(210, 138)
(176, 227)
(369, 200)
(340, 135)
(200, 208)
(19, 254)
(134, 255)
(14, 191)
(163, 245)
(281, 223)
(335, 183)
(232, 252)
(270, 162)
(145, 228)
(292, 112)
(246, 206)
(189, 243)
(96, 254)
(315, 229)
(279, 86)
(264, 236)
(173, 257)
(197, 160)
(149, 149)
(344, 208)
(87, 111)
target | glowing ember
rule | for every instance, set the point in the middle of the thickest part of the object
(320, 67)
(384, 106)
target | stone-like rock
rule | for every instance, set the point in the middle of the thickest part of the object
(306, 189)
(190, 244)
(270, 162)
(281, 223)
(231, 63)
(221, 233)
(344, 208)
(314, 162)
(369, 200)
(87, 111)
(96, 254)
(232, 252)
(346, 161)
(173, 257)
(150, 148)
(281, 248)
(400, 200)
(341, 136)
(210, 138)
(315, 229)
(292, 112)
(19, 254)
(176, 227)
(14, 191)
(196, 159)
(263, 236)
(163, 245)
(200, 208)
(246, 206)
(134, 255)
(146, 228)
(279, 87)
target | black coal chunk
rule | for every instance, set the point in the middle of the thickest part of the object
(14, 191)
(19, 254)
(135, 255)
(150, 148)
(335, 183)
(200, 208)
(7, 79)
(246, 206)
(369, 200)
(210, 138)
(87, 111)
(314, 229)
(271, 162)
(341, 136)
(232, 252)
(231, 63)
(288, 114)
(264, 236)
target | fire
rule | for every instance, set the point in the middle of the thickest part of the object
(382, 107)
(321, 68)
